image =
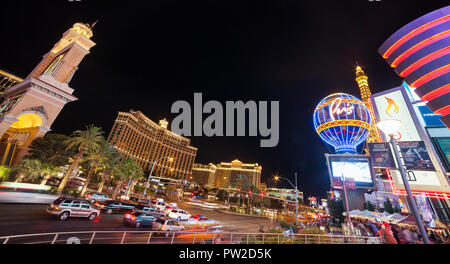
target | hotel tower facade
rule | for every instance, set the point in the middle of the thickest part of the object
(136, 136)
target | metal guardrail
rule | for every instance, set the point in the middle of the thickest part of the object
(153, 237)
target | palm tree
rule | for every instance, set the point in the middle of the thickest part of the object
(109, 168)
(27, 169)
(48, 170)
(98, 160)
(126, 170)
(84, 141)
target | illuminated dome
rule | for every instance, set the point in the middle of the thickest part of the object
(84, 29)
(342, 121)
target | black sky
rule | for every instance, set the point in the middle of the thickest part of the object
(150, 54)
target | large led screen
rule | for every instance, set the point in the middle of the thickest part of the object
(352, 166)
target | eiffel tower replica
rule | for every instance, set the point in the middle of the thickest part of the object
(363, 84)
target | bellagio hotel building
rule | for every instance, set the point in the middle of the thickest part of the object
(136, 136)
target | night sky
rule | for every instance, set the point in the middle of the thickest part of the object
(150, 54)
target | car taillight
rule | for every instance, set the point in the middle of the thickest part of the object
(102, 206)
(127, 216)
(97, 204)
(56, 208)
(133, 218)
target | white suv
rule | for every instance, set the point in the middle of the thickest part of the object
(160, 206)
(179, 214)
(165, 224)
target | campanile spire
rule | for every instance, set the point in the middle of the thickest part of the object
(31, 106)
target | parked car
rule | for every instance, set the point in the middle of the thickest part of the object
(139, 219)
(64, 208)
(116, 207)
(97, 197)
(179, 214)
(166, 224)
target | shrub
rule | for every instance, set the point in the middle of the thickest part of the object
(4, 173)
(286, 225)
(312, 231)
(72, 192)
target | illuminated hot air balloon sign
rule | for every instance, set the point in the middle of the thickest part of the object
(343, 121)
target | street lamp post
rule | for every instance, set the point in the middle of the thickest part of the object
(347, 209)
(151, 172)
(296, 200)
(390, 128)
(296, 194)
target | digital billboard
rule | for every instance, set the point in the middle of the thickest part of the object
(395, 104)
(443, 146)
(356, 167)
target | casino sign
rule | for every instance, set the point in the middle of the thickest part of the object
(342, 121)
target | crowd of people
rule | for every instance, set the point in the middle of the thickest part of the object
(396, 234)
(387, 232)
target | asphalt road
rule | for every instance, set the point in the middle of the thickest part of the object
(19, 219)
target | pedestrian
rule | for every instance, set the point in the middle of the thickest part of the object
(261, 229)
(395, 233)
(362, 228)
(406, 236)
(415, 236)
(420, 240)
(373, 229)
(386, 234)
(218, 240)
(435, 238)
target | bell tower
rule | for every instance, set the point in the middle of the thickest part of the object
(29, 108)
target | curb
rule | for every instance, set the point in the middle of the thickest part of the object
(258, 216)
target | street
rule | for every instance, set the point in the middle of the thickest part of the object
(19, 219)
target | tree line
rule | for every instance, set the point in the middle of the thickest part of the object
(56, 154)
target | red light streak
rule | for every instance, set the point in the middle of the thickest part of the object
(420, 46)
(436, 93)
(444, 111)
(425, 60)
(430, 76)
(414, 33)
(429, 194)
